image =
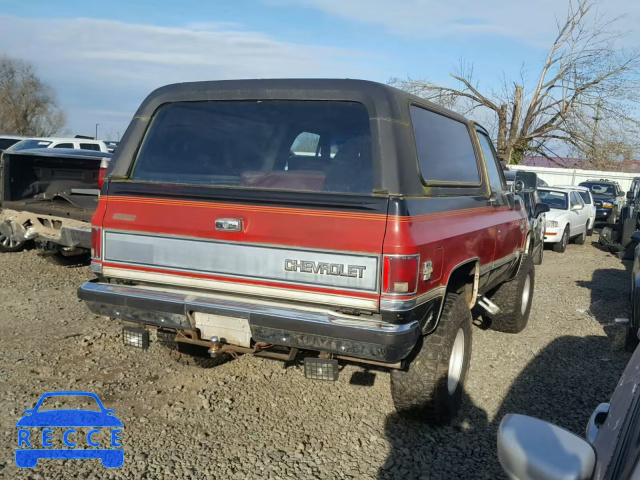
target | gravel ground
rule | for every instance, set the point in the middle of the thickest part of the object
(257, 418)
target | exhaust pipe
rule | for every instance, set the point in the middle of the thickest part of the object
(489, 306)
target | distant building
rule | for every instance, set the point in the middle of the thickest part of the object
(628, 166)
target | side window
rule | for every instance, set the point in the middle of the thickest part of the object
(63, 145)
(445, 151)
(90, 146)
(585, 197)
(495, 179)
(576, 199)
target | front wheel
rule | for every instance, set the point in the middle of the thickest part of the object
(514, 300)
(561, 246)
(430, 387)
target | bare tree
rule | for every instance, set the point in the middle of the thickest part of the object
(28, 105)
(583, 72)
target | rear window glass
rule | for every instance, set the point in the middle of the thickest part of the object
(445, 151)
(284, 145)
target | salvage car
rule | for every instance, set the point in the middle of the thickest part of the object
(532, 449)
(568, 218)
(608, 198)
(49, 196)
(589, 204)
(341, 217)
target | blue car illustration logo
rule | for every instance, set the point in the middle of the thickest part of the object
(32, 447)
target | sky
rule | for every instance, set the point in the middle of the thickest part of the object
(103, 57)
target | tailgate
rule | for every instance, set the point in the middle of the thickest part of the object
(321, 254)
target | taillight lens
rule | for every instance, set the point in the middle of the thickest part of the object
(400, 275)
(103, 169)
(96, 243)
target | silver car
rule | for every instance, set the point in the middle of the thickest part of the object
(532, 449)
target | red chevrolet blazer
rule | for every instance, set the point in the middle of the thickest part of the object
(340, 218)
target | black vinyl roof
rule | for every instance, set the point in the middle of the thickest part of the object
(364, 91)
(394, 150)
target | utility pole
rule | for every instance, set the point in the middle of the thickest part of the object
(594, 136)
(97, 130)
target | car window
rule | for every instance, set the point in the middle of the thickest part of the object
(586, 198)
(90, 146)
(250, 144)
(576, 199)
(555, 200)
(63, 402)
(445, 151)
(495, 180)
(306, 144)
(63, 145)
(29, 144)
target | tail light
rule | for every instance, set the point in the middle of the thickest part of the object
(400, 275)
(96, 243)
(103, 169)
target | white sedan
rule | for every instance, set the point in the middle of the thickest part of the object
(585, 193)
(568, 218)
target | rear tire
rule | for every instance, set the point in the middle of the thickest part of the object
(430, 387)
(561, 246)
(580, 239)
(514, 299)
(188, 354)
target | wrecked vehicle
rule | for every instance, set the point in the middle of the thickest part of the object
(49, 196)
(341, 217)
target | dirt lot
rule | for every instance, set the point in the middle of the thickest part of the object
(256, 418)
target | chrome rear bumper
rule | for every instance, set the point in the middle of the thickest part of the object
(317, 330)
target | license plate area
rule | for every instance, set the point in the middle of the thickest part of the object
(230, 330)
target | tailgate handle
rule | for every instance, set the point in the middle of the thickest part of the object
(228, 225)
